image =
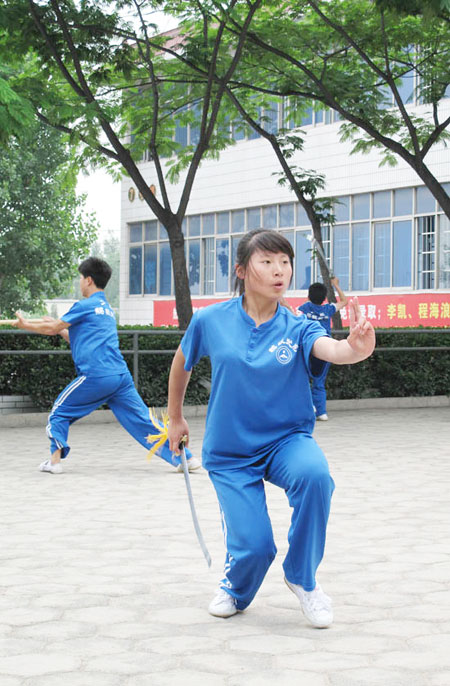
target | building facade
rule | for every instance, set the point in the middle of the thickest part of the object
(390, 244)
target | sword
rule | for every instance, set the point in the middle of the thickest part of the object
(198, 531)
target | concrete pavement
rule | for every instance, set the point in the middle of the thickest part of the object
(102, 582)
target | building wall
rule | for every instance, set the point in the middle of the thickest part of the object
(243, 178)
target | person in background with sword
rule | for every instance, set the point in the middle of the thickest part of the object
(102, 373)
(315, 309)
(259, 428)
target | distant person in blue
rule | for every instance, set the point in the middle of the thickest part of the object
(102, 373)
(315, 310)
(260, 422)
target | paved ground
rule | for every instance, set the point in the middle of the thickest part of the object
(103, 584)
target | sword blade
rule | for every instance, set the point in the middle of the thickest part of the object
(198, 531)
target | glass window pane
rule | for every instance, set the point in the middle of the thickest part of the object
(165, 270)
(302, 261)
(302, 217)
(150, 267)
(194, 225)
(360, 257)
(222, 269)
(382, 204)
(208, 266)
(405, 87)
(341, 256)
(270, 115)
(287, 214)
(194, 128)
(425, 252)
(402, 251)
(223, 222)
(207, 224)
(194, 267)
(425, 201)
(307, 117)
(342, 209)
(238, 130)
(162, 231)
(234, 246)
(254, 218)
(135, 270)
(184, 226)
(136, 233)
(402, 201)
(361, 206)
(151, 230)
(270, 217)
(382, 257)
(318, 117)
(444, 252)
(238, 221)
(290, 236)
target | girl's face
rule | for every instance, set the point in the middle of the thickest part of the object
(267, 274)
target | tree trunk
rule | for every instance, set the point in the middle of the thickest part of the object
(324, 270)
(182, 291)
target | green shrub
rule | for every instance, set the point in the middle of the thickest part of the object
(385, 374)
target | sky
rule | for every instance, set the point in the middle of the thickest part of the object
(103, 195)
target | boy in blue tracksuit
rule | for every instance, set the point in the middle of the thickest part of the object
(102, 373)
(315, 310)
(258, 427)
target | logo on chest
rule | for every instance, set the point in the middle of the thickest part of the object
(284, 350)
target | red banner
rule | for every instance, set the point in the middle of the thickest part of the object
(383, 311)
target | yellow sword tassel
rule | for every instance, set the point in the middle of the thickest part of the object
(163, 432)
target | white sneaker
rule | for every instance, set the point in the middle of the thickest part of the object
(47, 466)
(322, 417)
(316, 605)
(223, 605)
(192, 464)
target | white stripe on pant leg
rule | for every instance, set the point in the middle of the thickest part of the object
(229, 558)
(72, 387)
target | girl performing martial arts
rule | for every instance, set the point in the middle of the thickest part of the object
(260, 420)
(102, 373)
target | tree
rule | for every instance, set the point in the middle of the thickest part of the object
(322, 52)
(43, 232)
(98, 80)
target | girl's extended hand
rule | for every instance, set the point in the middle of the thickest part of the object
(362, 334)
(177, 429)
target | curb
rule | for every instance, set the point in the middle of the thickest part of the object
(28, 419)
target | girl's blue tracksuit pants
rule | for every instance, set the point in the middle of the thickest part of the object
(85, 394)
(297, 465)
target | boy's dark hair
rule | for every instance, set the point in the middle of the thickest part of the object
(99, 271)
(260, 239)
(317, 293)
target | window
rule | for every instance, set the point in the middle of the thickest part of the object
(401, 253)
(341, 255)
(302, 217)
(194, 267)
(425, 252)
(165, 270)
(151, 230)
(270, 123)
(223, 222)
(222, 271)
(425, 202)
(254, 218)
(136, 233)
(342, 209)
(382, 204)
(208, 266)
(150, 267)
(238, 221)
(302, 261)
(207, 224)
(382, 255)
(402, 201)
(444, 252)
(135, 277)
(270, 217)
(360, 256)
(194, 225)
(361, 206)
(287, 214)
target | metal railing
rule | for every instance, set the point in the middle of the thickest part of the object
(136, 352)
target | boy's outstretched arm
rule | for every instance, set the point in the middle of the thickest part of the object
(343, 300)
(359, 344)
(48, 327)
(178, 381)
